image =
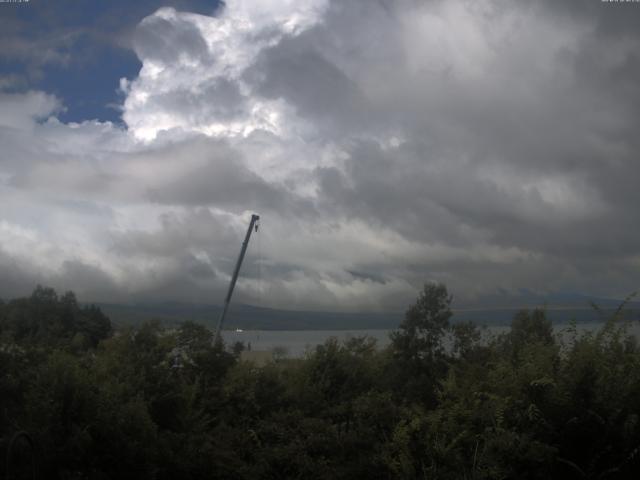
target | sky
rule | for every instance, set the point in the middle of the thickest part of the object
(491, 145)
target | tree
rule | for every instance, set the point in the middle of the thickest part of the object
(466, 336)
(417, 347)
(425, 324)
(94, 324)
(45, 318)
(528, 328)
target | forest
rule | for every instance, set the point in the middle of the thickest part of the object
(80, 399)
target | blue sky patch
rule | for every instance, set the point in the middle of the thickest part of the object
(78, 50)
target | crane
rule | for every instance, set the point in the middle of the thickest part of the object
(253, 225)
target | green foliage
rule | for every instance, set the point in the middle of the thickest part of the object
(418, 349)
(49, 320)
(425, 323)
(466, 337)
(153, 403)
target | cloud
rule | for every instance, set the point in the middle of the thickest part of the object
(23, 110)
(490, 145)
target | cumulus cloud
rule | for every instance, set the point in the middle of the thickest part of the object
(490, 145)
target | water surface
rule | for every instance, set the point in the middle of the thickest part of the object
(294, 343)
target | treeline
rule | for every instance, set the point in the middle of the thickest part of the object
(155, 404)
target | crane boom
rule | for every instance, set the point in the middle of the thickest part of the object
(253, 224)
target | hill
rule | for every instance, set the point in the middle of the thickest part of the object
(250, 317)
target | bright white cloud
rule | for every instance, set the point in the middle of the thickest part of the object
(193, 67)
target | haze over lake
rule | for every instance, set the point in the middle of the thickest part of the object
(294, 343)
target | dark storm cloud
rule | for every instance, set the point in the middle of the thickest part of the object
(216, 174)
(536, 153)
(367, 276)
(177, 236)
(15, 279)
(192, 256)
(296, 72)
(224, 183)
(88, 281)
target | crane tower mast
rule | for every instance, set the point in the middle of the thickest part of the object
(253, 225)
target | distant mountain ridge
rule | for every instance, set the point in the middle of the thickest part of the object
(528, 299)
(490, 311)
(249, 317)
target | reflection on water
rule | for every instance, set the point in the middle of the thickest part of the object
(294, 343)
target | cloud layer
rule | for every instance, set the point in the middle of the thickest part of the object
(489, 145)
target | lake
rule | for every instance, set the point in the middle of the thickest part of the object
(296, 342)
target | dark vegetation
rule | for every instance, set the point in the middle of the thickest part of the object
(151, 403)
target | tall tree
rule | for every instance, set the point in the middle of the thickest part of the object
(417, 346)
